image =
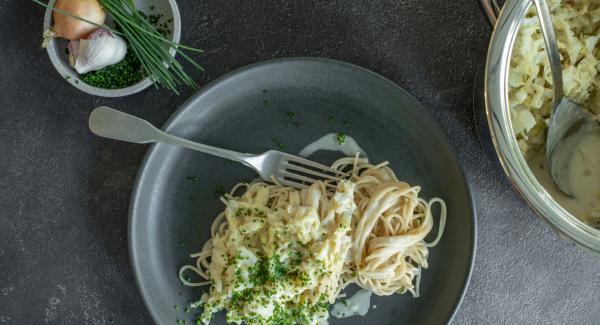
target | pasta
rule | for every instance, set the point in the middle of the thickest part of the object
(281, 255)
(391, 225)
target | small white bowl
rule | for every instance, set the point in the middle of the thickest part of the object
(58, 53)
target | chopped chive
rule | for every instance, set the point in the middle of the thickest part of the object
(278, 143)
(340, 138)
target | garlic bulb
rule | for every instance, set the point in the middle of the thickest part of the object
(101, 49)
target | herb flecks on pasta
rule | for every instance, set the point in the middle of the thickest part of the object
(281, 255)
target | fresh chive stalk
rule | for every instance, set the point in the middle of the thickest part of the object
(152, 48)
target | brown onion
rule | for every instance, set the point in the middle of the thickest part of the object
(73, 28)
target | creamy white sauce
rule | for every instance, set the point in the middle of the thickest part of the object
(581, 172)
(330, 142)
(584, 169)
(358, 304)
(539, 167)
(323, 321)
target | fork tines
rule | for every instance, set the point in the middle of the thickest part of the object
(299, 172)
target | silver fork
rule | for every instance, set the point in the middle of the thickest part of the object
(286, 169)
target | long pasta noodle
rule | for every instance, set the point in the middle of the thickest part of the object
(370, 232)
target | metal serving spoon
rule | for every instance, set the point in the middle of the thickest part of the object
(568, 117)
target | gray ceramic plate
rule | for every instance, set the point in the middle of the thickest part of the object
(174, 201)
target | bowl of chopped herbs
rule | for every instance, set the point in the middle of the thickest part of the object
(115, 48)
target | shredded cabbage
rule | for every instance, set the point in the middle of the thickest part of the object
(577, 26)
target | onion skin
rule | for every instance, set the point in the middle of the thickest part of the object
(72, 28)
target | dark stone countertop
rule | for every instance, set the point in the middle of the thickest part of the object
(64, 193)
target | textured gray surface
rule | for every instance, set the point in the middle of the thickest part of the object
(64, 193)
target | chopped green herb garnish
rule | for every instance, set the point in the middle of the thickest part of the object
(193, 178)
(151, 7)
(176, 307)
(268, 103)
(331, 119)
(153, 19)
(279, 144)
(340, 138)
(291, 115)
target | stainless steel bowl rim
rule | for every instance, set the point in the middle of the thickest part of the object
(504, 139)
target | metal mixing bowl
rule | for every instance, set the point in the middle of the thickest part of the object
(499, 121)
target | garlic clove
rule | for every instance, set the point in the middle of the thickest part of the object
(73, 52)
(101, 49)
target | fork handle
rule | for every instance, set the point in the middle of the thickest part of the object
(110, 123)
(168, 138)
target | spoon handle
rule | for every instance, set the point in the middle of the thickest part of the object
(551, 48)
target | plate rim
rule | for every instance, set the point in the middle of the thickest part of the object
(150, 152)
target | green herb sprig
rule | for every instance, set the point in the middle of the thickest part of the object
(150, 46)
